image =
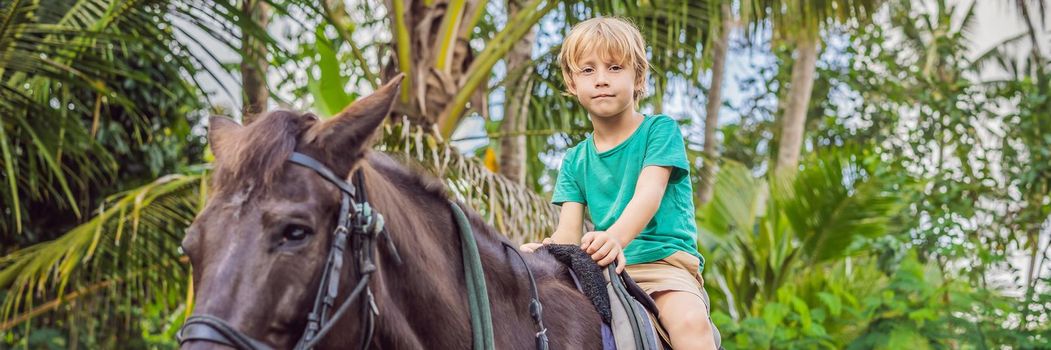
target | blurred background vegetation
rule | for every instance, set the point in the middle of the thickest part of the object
(869, 175)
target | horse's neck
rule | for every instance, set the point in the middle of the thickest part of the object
(429, 290)
(421, 302)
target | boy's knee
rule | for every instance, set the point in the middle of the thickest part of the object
(690, 329)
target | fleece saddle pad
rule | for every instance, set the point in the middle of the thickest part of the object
(593, 284)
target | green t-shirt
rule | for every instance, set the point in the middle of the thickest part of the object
(605, 183)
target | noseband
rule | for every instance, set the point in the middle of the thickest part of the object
(363, 225)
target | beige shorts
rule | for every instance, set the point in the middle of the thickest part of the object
(677, 272)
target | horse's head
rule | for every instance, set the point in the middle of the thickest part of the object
(259, 246)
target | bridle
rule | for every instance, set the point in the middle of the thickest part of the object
(358, 222)
(361, 224)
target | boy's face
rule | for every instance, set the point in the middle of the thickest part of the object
(604, 88)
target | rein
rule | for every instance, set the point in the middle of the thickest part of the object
(358, 222)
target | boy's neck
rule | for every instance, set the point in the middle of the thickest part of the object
(611, 131)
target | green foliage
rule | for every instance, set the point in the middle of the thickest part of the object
(84, 95)
(128, 254)
(328, 87)
(938, 273)
(99, 99)
(763, 235)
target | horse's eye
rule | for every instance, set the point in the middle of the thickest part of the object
(296, 232)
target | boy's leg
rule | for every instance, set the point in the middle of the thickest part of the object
(678, 290)
(685, 316)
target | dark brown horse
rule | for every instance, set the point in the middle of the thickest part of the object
(258, 248)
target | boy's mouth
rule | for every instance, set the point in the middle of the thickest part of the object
(601, 96)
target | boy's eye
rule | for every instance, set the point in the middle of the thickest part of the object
(587, 70)
(615, 68)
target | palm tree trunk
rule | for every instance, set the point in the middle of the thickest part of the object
(254, 63)
(710, 165)
(516, 103)
(793, 122)
(432, 50)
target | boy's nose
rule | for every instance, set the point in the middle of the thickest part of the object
(601, 81)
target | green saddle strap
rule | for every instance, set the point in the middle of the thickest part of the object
(477, 293)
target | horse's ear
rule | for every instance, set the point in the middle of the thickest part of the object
(220, 135)
(347, 135)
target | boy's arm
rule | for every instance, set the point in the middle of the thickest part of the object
(570, 224)
(649, 191)
(607, 246)
(569, 230)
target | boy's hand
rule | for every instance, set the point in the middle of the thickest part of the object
(532, 247)
(604, 249)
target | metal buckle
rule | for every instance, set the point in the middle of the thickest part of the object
(362, 218)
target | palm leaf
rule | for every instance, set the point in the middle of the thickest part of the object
(514, 210)
(732, 215)
(480, 70)
(129, 250)
(759, 241)
(61, 68)
(834, 203)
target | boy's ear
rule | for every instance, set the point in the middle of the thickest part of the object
(640, 89)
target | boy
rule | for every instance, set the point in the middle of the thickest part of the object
(633, 177)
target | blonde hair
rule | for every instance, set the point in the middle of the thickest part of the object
(615, 39)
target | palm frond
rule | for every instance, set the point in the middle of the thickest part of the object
(128, 253)
(478, 73)
(64, 73)
(762, 236)
(1002, 56)
(70, 67)
(726, 217)
(835, 203)
(514, 210)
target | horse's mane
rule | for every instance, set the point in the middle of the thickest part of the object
(416, 175)
(254, 154)
(408, 171)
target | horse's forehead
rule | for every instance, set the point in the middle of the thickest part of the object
(249, 197)
(288, 180)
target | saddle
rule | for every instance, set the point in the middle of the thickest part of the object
(629, 315)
